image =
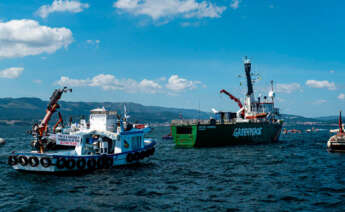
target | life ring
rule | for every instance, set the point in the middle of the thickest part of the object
(45, 162)
(81, 163)
(70, 163)
(34, 161)
(129, 158)
(100, 162)
(91, 163)
(12, 160)
(60, 163)
(23, 160)
(136, 156)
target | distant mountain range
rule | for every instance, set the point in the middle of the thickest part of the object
(28, 110)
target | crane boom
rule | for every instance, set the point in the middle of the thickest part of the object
(233, 98)
(51, 108)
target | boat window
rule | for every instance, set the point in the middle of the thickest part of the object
(184, 130)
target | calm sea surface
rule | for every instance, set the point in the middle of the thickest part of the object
(296, 173)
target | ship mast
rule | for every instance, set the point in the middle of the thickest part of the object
(250, 92)
(247, 68)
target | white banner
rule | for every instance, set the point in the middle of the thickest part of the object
(67, 140)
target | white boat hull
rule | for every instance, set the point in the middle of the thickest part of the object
(33, 162)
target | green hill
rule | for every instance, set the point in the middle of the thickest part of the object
(29, 109)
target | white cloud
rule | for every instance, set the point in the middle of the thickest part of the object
(321, 84)
(93, 42)
(110, 82)
(190, 24)
(66, 81)
(19, 38)
(157, 9)
(71, 6)
(319, 102)
(235, 4)
(11, 73)
(341, 96)
(288, 88)
(179, 84)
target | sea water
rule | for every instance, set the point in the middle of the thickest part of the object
(297, 173)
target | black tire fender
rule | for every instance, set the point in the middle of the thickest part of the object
(129, 157)
(91, 163)
(136, 156)
(23, 160)
(46, 162)
(34, 161)
(101, 162)
(110, 162)
(60, 163)
(81, 163)
(70, 163)
(141, 155)
(12, 160)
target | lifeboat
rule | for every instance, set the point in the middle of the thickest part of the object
(337, 142)
(257, 116)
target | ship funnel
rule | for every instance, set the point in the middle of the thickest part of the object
(247, 68)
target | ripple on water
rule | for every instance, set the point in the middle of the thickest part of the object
(295, 174)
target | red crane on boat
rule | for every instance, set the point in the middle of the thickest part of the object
(235, 99)
(51, 109)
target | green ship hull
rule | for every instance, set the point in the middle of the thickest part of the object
(207, 135)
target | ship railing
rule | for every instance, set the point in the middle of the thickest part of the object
(199, 122)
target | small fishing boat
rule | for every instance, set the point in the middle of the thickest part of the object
(167, 136)
(293, 131)
(337, 142)
(108, 142)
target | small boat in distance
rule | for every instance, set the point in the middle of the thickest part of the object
(167, 136)
(337, 142)
(293, 131)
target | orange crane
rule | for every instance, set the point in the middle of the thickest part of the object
(52, 107)
(235, 99)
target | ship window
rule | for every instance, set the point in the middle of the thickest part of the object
(184, 130)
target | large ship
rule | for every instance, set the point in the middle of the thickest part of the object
(257, 121)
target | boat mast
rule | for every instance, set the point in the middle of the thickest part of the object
(341, 131)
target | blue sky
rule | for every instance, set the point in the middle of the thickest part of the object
(175, 53)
